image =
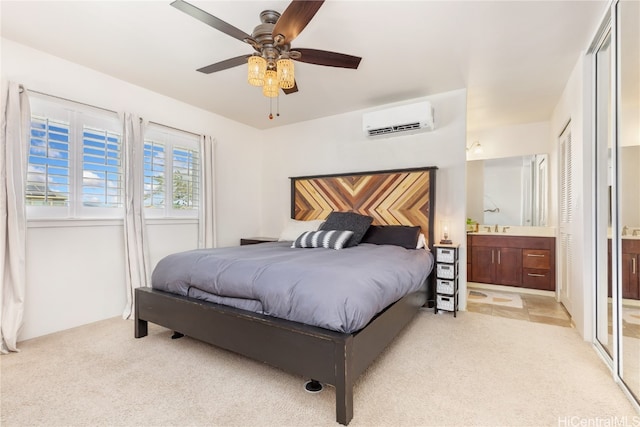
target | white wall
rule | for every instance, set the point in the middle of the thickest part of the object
(508, 141)
(571, 106)
(75, 274)
(629, 202)
(337, 144)
(475, 190)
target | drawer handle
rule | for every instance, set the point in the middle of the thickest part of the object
(633, 265)
(535, 275)
(536, 255)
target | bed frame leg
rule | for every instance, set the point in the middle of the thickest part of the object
(344, 383)
(313, 386)
(176, 335)
(344, 404)
(141, 328)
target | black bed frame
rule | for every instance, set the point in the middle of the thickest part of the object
(326, 356)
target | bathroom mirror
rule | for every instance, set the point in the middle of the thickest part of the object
(508, 191)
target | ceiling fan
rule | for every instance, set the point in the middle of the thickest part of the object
(271, 41)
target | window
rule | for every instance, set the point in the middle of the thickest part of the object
(74, 162)
(171, 173)
(101, 168)
(154, 164)
(48, 171)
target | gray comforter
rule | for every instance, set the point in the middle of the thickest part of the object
(340, 290)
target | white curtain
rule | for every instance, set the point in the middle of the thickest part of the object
(137, 267)
(207, 223)
(14, 143)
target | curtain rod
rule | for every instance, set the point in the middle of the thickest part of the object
(71, 100)
(174, 128)
(104, 109)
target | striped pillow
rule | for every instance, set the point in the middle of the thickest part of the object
(330, 239)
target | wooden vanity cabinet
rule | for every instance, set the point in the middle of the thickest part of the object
(630, 276)
(469, 269)
(536, 269)
(513, 261)
(630, 264)
(498, 265)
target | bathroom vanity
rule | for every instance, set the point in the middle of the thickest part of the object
(512, 260)
(630, 268)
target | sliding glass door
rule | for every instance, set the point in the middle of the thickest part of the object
(628, 139)
(604, 194)
(616, 128)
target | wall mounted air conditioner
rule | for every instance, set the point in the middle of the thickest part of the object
(404, 118)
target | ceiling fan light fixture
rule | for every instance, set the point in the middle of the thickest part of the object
(257, 67)
(270, 88)
(270, 66)
(285, 73)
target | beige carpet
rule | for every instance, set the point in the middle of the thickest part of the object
(471, 370)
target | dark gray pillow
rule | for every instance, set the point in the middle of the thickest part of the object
(351, 221)
(398, 235)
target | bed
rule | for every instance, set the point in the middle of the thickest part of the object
(324, 354)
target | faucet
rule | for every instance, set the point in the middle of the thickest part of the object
(505, 228)
(624, 230)
(496, 229)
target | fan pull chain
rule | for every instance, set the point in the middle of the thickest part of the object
(271, 107)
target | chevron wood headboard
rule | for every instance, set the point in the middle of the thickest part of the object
(394, 197)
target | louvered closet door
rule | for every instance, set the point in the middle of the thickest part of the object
(566, 229)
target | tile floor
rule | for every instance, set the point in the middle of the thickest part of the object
(545, 309)
(630, 320)
(535, 308)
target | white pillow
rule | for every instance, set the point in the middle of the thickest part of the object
(294, 228)
(422, 242)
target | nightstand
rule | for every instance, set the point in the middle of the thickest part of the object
(254, 240)
(447, 278)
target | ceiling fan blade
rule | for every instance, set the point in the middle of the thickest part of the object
(294, 89)
(330, 59)
(295, 17)
(223, 65)
(210, 20)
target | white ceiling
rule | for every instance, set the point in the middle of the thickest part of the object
(514, 57)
